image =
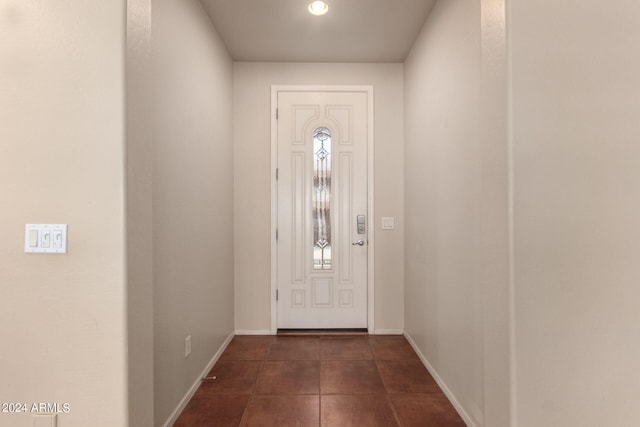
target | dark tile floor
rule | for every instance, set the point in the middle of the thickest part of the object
(325, 381)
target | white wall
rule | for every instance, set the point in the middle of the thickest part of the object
(443, 294)
(192, 197)
(61, 161)
(252, 130)
(457, 216)
(572, 155)
(576, 127)
(139, 201)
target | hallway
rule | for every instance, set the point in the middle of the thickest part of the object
(502, 208)
(310, 381)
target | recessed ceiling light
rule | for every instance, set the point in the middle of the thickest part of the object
(318, 7)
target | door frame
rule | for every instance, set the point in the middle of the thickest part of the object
(368, 89)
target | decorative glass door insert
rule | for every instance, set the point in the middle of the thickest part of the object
(321, 204)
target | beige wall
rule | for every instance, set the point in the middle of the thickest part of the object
(552, 204)
(443, 208)
(576, 110)
(61, 161)
(139, 95)
(496, 222)
(252, 130)
(192, 197)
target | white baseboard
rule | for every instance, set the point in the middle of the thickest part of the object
(254, 332)
(185, 400)
(268, 332)
(452, 398)
(388, 332)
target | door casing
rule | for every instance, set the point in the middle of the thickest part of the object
(275, 89)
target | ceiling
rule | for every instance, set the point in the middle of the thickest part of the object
(352, 30)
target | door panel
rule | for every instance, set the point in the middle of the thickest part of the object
(322, 190)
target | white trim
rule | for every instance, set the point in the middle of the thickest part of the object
(185, 400)
(274, 209)
(368, 89)
(388, 332)
(452, 398)
(370, 211)
(254, 332)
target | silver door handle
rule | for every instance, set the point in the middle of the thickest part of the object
(359, 243)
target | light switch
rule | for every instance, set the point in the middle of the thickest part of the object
(45, 238)
(57, 239)
(33, 238)
(388, 223)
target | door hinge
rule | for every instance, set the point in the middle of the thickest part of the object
(276, 234)
(276, 114)
(277, 294)
(276, 174)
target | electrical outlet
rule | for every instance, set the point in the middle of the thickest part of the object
(187, 346)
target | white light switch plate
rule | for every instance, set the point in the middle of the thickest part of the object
(47, 420)
(388, 223)
(45, 238)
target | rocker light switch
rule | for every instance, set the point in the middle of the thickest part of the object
(33, 238)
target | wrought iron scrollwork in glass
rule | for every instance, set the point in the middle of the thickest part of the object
(321, 203)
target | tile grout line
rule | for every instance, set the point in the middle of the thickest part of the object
(254, 389)
(319, 382)
(319, 340)
(387, 394)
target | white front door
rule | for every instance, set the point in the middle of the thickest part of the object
(322, 209)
